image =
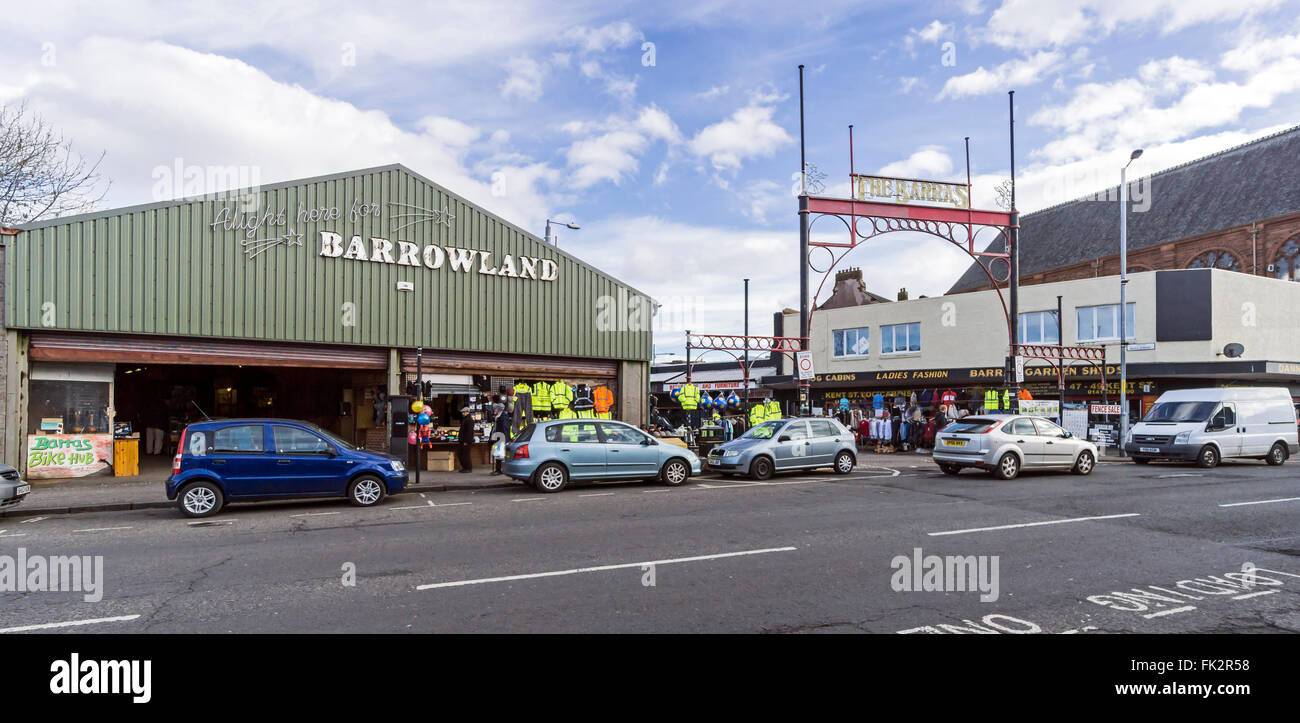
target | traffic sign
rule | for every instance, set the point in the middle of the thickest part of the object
(804, 362)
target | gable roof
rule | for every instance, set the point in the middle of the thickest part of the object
(1251, 182)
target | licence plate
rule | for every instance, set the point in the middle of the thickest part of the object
(954, 443)
(1154, 450)
(23, 489)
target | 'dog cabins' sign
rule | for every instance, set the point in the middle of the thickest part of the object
(55, 456)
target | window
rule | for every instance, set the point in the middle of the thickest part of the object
(1287, 265)
(291, 440)
(81, 407)
(1101, 323)
(245, 438)
(1039, 327)
(852, 342)
(822, 428)
(573, 432)
(1021, 426)
(1215, 259)
(620, 434)
(795, 430)
(1047, 429)
(900, 338)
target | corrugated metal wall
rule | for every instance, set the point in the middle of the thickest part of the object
(162, 269)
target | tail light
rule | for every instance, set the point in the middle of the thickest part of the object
(180, 449)
(521, 452)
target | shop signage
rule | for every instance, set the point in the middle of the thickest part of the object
(433, 256)
(1040, 407)
(909, 190)
(68, 455)
(1103, 409)
(984, 374)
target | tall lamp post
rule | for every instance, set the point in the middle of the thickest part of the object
(549, 238)
(1123, 301)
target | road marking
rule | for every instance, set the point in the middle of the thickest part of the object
(69, 624)
(646, 492)
(1032, 524)
(527, 499)
(597, 494)
(1261, 502)
(1171, 611)
(103, 529)
(1253, 594)
(19, 534)
(430, 504)
(34, 519)
(209, 523)
(603, 568)
(1083, 629)
(1178, 474)
(315, 514)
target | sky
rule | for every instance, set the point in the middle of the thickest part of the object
(669, 131)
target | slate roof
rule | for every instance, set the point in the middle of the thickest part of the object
(1251, 182)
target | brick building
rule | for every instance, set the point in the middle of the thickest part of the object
(1237, 210)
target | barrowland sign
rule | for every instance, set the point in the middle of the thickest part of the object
(434, 256)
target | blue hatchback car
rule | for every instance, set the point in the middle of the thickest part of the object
(548, 454)
(233, 460)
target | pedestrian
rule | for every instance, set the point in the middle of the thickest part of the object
(500, 434)
(465, 440)
(154, 418)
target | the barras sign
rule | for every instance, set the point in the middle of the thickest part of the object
(909, 190)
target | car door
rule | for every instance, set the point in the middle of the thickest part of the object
(1224, 431)
(1058, 450)
(824, 438)
(1024, 434)
(237, 456)
(306, 463)
(579, 446)
(792, 445)
(628, 452)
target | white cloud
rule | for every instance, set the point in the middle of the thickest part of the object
(598, 40)
(612, 150)
(933, 32)
(1006, 76)
(524, 79)
(907, 83)
(748, 133)
(1029, 24)
(927, 162)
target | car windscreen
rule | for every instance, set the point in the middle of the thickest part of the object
(969, 424)
(525, 434)
(764, 430)
(1180, 411)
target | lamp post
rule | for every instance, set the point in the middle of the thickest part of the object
(1123, 301)
(551, 240)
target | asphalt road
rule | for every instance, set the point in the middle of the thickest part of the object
(1165, 549)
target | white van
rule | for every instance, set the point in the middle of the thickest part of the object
(1208, 425)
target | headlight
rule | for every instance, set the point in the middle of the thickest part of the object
(1182, 437)
(731, 453)
(397, 466)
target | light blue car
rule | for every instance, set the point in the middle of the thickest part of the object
(547, 455)
(779, 445)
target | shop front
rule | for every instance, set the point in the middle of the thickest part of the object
(305, 300)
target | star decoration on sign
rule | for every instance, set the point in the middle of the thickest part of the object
(254, 247)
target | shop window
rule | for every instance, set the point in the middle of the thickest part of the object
(1215, 259)
(900, 338)
(1287, 265)
(291, 440)
(67, 407)
(244, 438)
(851, 343)
(1101, 323)
(1039, 327)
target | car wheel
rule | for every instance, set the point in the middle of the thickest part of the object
(674, 473)
(761, 469)
(950, 469)
(1008, 467)
(366, 491)
(1085, 463)
(1142, 460)
(1277, 455)
(201, 499)
(1208, 457)
(843, 463)
(551, 477)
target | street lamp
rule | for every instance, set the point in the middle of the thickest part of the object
(551, 240)
(1123, 306)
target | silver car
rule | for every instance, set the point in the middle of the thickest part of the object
(548, 454)
(12, 488)
(785, 444)
(1004, 444)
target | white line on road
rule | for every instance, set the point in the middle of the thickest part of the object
(430, 504)
(1261, 502)
(1170, 611)
(315, 514)
(597, 494)
(1032, 524)
(603, 568)
(104, 529)
(527, 499)
(69, 624)
(19, 534)
(1253, 594)
(34, 519)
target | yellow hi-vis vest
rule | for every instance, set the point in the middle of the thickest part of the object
(522, 388)
(990, 399)
(757, 414)
(566, 413)
(773, 409)
(561, 395)
(541, 397)
(690, 397)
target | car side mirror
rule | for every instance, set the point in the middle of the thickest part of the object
(783, 438)
(1067, 435)
(331, 451)
(646, 442)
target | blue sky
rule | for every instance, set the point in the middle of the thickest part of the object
(679, 171)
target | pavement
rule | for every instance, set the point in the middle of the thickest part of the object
(1160, 548)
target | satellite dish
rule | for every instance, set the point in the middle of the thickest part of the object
(1233, 351)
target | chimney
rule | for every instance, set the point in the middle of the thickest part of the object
(902, 294)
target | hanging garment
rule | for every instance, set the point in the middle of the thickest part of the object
(603, 398)
(690, 397)
(582, 399)
(542, 398)
(561, 396)
(523, 412)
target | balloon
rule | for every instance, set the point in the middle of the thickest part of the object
(412, 438)
(733, 400)
(423, 419)
(675, 394)
(417, 406)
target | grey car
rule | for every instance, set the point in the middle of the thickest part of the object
(1005, 444)
(12, 487)
(548, 454)
(779, 445)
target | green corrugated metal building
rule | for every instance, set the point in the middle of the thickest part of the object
(339, 277)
